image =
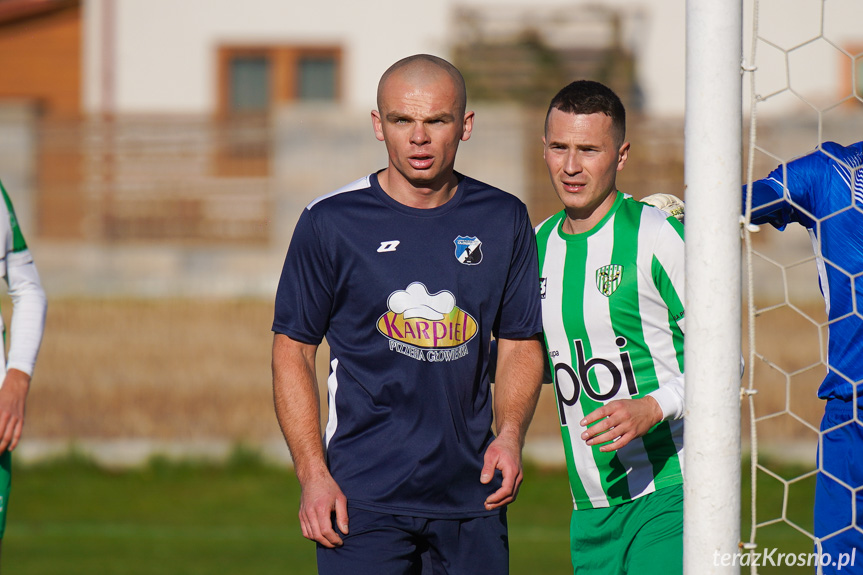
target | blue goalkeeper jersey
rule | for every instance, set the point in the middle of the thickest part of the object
(823, 192)
(408, 300)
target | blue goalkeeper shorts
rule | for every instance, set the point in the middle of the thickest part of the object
(840, 457)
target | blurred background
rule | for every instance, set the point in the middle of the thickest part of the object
(159, 152)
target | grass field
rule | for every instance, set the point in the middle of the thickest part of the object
(181, 371)
(71, 517)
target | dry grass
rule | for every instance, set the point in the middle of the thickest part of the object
(185, 370)
(790, 343)
(154, 369)
(178, 370)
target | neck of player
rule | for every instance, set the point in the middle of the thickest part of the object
(422, 195)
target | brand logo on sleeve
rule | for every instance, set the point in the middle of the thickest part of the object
(425, 326)
(468, 250)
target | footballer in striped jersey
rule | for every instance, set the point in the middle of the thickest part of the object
(28, 322)
(612, 280)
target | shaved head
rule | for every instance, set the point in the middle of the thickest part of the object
(423, 69)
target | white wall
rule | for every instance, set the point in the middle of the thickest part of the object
(166, 49)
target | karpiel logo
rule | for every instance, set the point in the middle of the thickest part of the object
(426, 323)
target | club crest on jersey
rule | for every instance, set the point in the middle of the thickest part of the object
(543, 285)
(608, 278)
(426, 326)
(468, 250)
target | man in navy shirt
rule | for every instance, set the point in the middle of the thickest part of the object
(823, 192)
(408, 272)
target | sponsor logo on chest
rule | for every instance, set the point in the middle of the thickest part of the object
(426, 326)
(599, 378)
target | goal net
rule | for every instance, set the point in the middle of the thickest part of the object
(803, 86)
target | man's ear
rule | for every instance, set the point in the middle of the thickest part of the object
(378, 125)
(467, 126)
(622, 155)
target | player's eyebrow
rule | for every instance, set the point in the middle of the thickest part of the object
(396, 115)
(582, 146)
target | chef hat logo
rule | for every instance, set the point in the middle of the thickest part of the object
(417, 302)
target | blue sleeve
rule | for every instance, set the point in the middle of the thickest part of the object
(521, 314)
(305, 295)
(789, 192)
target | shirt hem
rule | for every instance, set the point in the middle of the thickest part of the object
(424, 513)
(665, 482)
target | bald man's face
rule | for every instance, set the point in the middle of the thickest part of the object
(421, 123)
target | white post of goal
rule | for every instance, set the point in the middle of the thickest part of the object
(713, 168)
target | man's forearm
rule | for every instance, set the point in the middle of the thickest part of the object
(296, 399)
(28, 316)
(517, 386)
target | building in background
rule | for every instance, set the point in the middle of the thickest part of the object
(173, 129)
(159, 153)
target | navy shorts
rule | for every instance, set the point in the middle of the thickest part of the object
(839, 471)
(383, 544)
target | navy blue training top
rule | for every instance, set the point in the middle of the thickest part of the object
(408, 299)
(823, 191)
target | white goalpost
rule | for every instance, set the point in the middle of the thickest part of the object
(713, 163)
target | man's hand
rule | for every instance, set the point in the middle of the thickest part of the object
(619, 422)
(295, 395)
(504, 453)
(517, 385)
(320, 499)
(13, 398)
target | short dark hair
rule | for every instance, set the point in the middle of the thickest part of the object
(589, 97)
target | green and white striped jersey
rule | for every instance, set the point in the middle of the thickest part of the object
(25, 290)
(612, 310)
(12, 238)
